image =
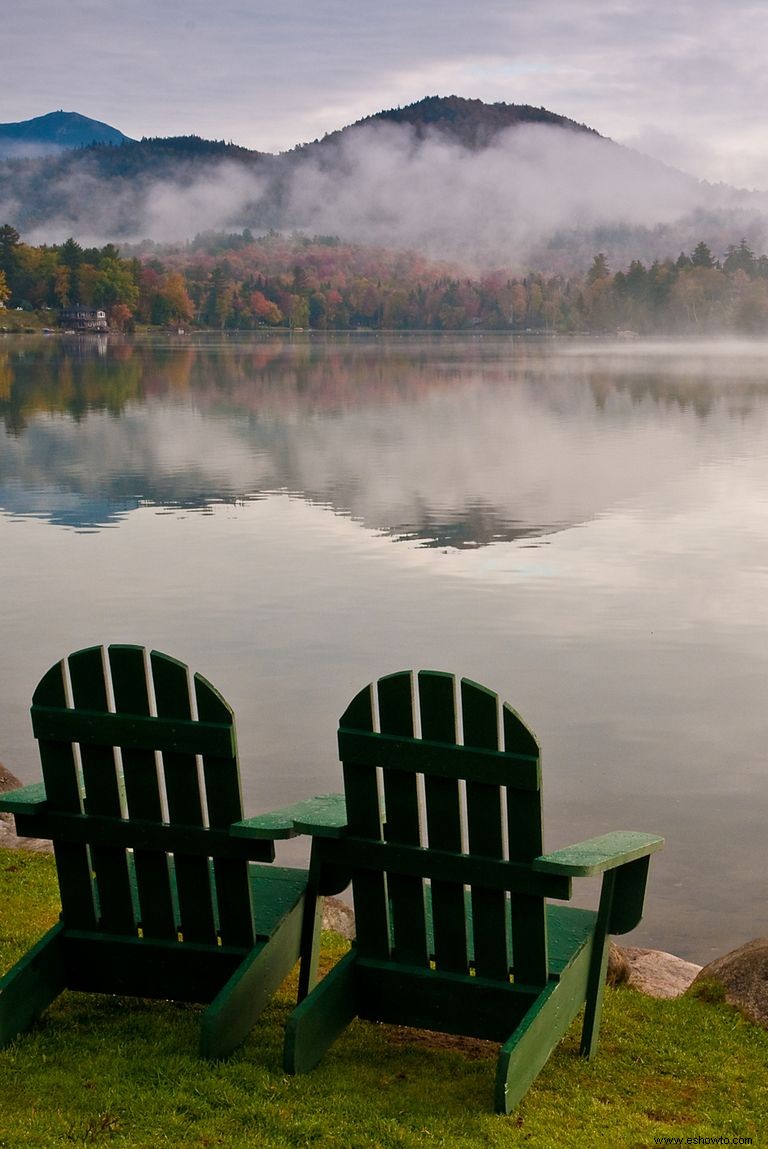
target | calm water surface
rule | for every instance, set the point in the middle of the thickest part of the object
(581, 527)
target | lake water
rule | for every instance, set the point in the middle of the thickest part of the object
(582, 527)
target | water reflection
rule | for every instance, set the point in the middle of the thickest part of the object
(447, 443)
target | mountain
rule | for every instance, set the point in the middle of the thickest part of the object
(480, 185)
(55, 132)
(471, 123)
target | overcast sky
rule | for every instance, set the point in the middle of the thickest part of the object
(684, 80)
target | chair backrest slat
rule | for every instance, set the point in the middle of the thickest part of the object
(62, 788)
(101, 795)
(157, 916)
(197, 917)
(437, 707)
(524, 832)
(364, 817)
(479, 708)
(225, 806)
(401, 806)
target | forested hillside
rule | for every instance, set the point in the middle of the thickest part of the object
(242, 282)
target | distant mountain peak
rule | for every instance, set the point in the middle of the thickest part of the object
(55, 132)
(472, 123)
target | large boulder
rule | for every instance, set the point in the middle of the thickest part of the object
(740, 978)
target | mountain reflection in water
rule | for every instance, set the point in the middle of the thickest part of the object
(447, 443)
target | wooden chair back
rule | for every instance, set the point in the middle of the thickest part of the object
(142, 783)
(443, 797)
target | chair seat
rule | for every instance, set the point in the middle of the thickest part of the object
(568, 930)
(276, 890)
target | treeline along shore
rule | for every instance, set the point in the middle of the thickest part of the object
(242, 282)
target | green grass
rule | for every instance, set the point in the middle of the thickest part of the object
(121, 1072)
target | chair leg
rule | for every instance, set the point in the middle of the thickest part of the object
(597, 969)
(310, 943)
(594, 1006)
(31, 985)
(524, 1055)
(316, 1023)
(232, 1014)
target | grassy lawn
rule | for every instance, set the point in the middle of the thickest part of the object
(122, 1072)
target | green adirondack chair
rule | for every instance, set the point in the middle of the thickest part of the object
(441, 835)
(159, 899)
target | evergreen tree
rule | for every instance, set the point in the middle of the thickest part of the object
(740, 259)
(599, 269)
(701, 256)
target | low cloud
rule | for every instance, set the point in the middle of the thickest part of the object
(538, 196)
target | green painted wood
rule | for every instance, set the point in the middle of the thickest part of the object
(312, 925)
(443, 812)
(233, 1013)
(95, 728)
(26, 800)
(225, 806)
(491, 766)
(524, 834)
(276, 891)
(496, 875)
(148, 967)
(240, 922)
(324, 816)
(598, 967)
(451, 1003)
(316, 1023)
(527, 1050)
(569, 929)
(627, 908)
(59, 766)
(479, 708)
(31, 985)
(365, 820)
(482, 909)
(157, 917)
(401, 802)
(62, 788)
(112, 879)
(596, 855)
(197, 919)
(133, 834)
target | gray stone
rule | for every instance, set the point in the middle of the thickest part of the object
(654, 972)
(742, 976)
(339, 917)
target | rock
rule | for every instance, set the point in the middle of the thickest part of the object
(8, 837)
(742, 979)
(8, 781)
(654, 972)
(339, 917)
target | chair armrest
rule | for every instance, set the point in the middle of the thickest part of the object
(27, 800)
(596, 855)
(324, 817)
